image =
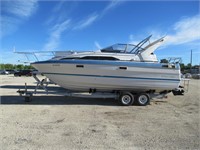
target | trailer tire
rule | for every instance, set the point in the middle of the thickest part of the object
(143, 99)
(126, 99)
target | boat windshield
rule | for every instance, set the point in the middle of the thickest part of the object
(126, 48)
(121, 48)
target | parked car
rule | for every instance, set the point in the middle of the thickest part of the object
(4, 72)
(35, 72)
(196, 76)
(23, 73)
(187, 75)
(11, 71)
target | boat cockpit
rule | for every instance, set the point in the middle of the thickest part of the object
(127, 48)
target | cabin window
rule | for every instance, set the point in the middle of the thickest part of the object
(98, 58)
(70, 58)
(91, 58)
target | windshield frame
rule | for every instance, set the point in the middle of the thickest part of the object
(122, 48)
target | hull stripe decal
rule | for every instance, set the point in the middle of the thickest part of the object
(121, 77)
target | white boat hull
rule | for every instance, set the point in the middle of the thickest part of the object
(110, 76)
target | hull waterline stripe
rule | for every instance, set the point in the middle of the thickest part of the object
(121, 77)
(112, 63)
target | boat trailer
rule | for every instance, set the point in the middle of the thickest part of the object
(125, 98)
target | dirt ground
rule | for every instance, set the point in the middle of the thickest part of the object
(60, 123)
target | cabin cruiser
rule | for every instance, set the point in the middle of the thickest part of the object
(118, 68)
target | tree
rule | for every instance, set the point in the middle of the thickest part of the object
(1, 66)
(27, 67)
(188, 66)
(164, 61)
(182, 67)
(17, 67)
(8, 66)
(20, 67)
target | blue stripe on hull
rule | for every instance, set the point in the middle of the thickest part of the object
(121, 77)
(113, 63)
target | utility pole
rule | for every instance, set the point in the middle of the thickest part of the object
(191, 62)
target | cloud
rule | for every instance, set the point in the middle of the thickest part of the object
(89, 20)
(86, 22)
(55, 34)
(59, 28)
(13, 13)
(111, 5)
(185, 31)
(59, 6)
(19, 8)
(97, 45)
(57, 23)
(61, 11)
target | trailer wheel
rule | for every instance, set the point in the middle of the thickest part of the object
(126, 99)
(143, 99)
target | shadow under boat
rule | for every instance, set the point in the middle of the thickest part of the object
(56, 100)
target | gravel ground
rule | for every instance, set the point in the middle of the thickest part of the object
(60, 123)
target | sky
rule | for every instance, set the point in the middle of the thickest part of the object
(36, 25)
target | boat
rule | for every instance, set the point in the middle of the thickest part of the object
(120, 68)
